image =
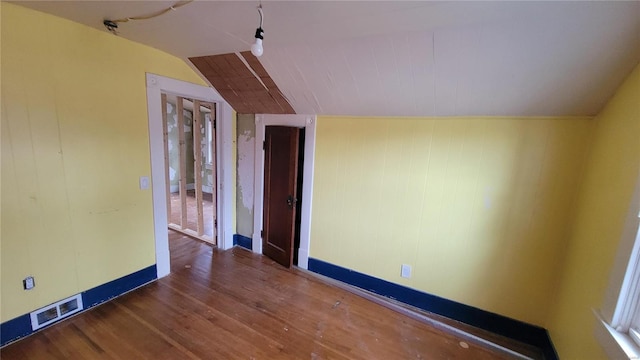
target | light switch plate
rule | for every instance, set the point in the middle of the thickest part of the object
(144, 182)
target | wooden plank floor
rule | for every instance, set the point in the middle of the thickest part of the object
(192, 211)
(237, 305)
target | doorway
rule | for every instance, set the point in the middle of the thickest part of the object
(308, 124)
(189, 138)
(283, 163)
(299, 186)
(156, 86)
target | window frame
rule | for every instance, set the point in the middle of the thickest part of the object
(209, 132)
(621, 307)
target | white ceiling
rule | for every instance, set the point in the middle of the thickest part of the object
(404, 58)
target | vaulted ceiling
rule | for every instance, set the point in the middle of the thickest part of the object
(404, 58)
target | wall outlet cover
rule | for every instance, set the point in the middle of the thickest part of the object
(405, 271)
(29, 283)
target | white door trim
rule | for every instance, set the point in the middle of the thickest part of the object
(308, 122)
(156, 85)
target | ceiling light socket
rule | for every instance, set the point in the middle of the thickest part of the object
(259, 33)
(112, 26)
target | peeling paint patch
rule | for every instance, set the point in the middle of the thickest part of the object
(246, 146)
(173, 149)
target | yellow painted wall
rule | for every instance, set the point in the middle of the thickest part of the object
(74, 142)
(478, 206)
(604, 200)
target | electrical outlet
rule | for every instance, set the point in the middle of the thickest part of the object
(405, 271)
(28, 283)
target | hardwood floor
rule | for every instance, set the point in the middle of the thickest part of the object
(192, 212)
(237, 305)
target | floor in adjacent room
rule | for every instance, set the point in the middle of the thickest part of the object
(238, 305)
(192, 212)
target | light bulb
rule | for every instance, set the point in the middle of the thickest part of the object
(256, 48)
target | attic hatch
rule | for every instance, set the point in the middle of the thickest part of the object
(244, 83)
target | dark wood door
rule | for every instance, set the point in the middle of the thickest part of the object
(280, 176)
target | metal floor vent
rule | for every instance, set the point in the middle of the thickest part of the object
(56, 312)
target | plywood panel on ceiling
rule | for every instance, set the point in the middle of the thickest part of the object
(245, 85)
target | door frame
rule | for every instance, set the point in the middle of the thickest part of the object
(156, 85)
(308, 122)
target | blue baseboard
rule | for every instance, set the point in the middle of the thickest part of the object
(15, 329)
(108, 291)
(19, 327)
(243, 241)
(498, 324)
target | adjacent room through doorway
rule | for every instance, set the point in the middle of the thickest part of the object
(190, 152)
